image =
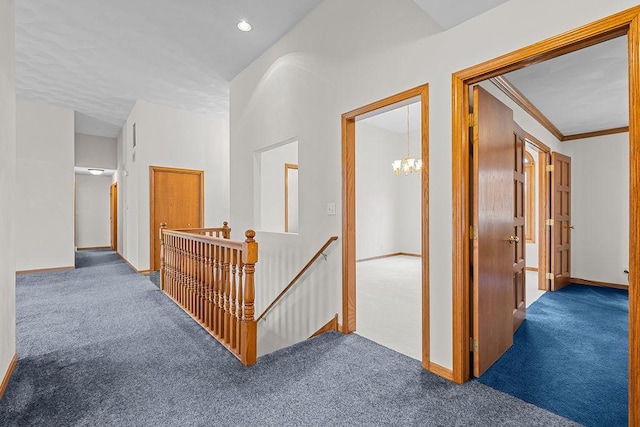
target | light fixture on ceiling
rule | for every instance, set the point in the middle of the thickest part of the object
(244, 26)
(95, 171)
(407, 165)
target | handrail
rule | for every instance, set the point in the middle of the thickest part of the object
(221, 241)
(298, 276)
(212, 279)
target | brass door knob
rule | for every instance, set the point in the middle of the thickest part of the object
(513, 239)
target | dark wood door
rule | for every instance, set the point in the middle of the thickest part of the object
(518, 244)
(561, 226)
(493, 222)
(177, 199)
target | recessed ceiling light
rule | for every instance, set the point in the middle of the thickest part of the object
(95, 171)
(244, 26)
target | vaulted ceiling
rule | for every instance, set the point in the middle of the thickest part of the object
(98, 57)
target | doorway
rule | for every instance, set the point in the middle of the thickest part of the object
(624, 23)
(421, 94)
(177, 200)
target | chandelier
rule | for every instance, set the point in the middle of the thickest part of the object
(407, 165)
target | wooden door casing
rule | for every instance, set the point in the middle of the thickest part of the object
(176, 199)
(113, 208)
(493, 221)
(561, 215)
(519, 231)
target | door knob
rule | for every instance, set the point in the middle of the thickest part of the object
(513, 239)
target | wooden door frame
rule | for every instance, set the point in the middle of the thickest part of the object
(113, 207)
(349, 210)
(544, 211)
(623, 23)
(152, 172)
(287, 166)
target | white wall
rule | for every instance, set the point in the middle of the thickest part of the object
(95, 151)
(7, 186)
(271, 170)
(174, 138)
(93, 222)
(45, 176)
(387, 206)
(337, 59)
(600, 208)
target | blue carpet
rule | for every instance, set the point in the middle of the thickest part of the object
(571, 356)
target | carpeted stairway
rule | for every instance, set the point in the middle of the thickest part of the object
(101, 346)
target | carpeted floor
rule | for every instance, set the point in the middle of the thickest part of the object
(103, 346)
(571, 356)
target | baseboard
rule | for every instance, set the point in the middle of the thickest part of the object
(332, 325)
(441, 371)
(531, 268)
(7, 376)
(45, 270)
(389, 256)
(93, 247)
(132, 267)
(579, 281)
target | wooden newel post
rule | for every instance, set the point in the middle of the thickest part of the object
(248, 328)
(163, 226)
(226, 230)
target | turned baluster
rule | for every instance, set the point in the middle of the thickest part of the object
(163, 225)
(248, 335)
(216, 290)
(227, 297)
(234, 301)
(209, 284)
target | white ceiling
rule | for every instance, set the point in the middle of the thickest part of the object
(98, 57)
(583, 91)
(396, 120)
(449, 13)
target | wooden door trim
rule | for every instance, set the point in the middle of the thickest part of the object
(287, 166)
(349, 208)
(626, 22)
(544, 233)
(113, 207)
(152, 171)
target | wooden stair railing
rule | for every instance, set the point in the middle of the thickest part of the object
(212, 279)
(297, 277)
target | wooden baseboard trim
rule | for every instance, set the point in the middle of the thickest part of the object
(441, 371)
(389, 256)
(88, 248)
(132, 267)
(579, 281)
(7, 376)
(531, 268)
(331, 325)
(45, 270)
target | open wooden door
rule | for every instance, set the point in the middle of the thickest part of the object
(113, 209)
(561, 216)
(177, 199)
(494, 228)
(518, 245)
